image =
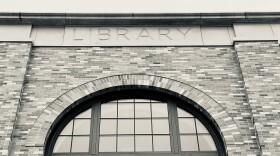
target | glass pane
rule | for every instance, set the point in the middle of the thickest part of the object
(142, 110)
(126, 126)
(206, 143)
(109, 110)
(160, 126)
(80, 144)
(162, 143)
(62, 145)
(143, 143)
(126, 110)
(186, 125)
(67, 129)
(155, 101)
(159, 110)
(81, 127)
(85, 114)
(126, 100)
(108, 126)
(107, 144)
(183, 113)
(126, 143)
(189, 143)
(143, 100)
(200, 127)
(143, 126)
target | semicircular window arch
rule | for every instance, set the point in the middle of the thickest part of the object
(135, 126)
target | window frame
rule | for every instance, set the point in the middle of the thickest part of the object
(173, 102)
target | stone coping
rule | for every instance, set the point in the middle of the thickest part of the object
(137, 19)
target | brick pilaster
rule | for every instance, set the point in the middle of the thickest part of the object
(13, 62)
(260, 64)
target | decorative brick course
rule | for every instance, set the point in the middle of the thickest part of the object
(260, 63)
(213, 71)
(13, 61)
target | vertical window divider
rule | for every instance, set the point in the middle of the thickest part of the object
(95, 127)
(152, 130)
(196, 134)
(174, 127)
(134, 125)
(72, 135)
(117, 126)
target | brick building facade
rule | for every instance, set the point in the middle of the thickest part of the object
(228, 64)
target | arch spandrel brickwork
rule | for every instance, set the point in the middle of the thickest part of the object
(228, 128)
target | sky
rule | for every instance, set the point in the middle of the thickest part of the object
(139, 6)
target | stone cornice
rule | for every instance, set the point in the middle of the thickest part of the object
(137, 19)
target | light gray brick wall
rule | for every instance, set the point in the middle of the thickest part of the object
(13, 60)
(260, 63)
(54, 70)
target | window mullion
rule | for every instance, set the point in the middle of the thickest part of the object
(117, 126)
(196, 134)
(72, 135)
(95, 124)
(152, 131)
(174, 128)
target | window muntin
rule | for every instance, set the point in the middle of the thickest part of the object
(75, 136)
(134, 121)
(134, 125)
(191, 128)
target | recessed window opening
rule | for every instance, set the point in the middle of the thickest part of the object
(138, 126)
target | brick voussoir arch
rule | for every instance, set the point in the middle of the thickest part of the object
(224, 122)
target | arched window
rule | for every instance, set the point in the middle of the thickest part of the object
(135, 125)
